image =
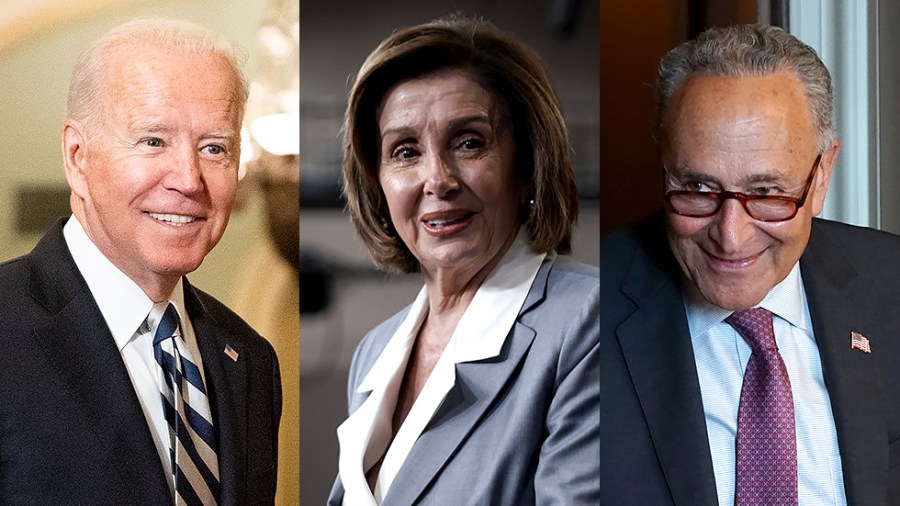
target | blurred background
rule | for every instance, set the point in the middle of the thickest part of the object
(253, 269)
(343, 297)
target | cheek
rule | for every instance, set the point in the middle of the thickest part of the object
(684, 228)
(401, 194)
(222, 191)
(790, 235)
(492, 184)
(111, 185)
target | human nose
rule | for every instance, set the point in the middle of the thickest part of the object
(732, 226)
(440, 176)
(185, 175)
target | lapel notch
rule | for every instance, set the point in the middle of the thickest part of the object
(226, 381)
(477, 386)
(656, 345)
(78, 344)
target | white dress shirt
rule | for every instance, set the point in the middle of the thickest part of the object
(479, 335)
(721, 355)
(126, 309)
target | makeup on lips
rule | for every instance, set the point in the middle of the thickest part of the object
(447, 223)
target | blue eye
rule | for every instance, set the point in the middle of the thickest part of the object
(215, 149)
(153, 142)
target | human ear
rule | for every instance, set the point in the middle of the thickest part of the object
(823, 178)
(74, 157)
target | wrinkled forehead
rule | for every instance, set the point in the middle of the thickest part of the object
(748, 115)
(444, 77)
(131, 68)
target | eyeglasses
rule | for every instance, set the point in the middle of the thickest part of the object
(771, 208)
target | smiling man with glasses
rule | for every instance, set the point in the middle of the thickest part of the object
(748, 350)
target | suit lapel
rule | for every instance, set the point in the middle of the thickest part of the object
(657, 348)
(78, 344)
(477, 386)
(833, 294)
(226, 381)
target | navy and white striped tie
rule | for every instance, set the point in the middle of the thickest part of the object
(192, 440)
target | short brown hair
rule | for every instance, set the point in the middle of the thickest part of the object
(503, 66)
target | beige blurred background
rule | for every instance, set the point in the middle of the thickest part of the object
(39, 41)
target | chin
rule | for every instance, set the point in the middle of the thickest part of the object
(178, 265)
(453, 255)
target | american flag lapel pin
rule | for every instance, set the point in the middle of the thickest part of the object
(860, 342)
(233, 355)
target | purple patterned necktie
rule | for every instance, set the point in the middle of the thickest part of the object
(766, 443)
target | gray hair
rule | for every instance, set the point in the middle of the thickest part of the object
(88, 83)
(750, 50)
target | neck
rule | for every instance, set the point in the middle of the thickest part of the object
(158, 292)
(450, 290)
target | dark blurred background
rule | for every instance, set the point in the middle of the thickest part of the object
(342, 296)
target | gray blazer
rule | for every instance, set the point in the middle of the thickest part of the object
(518, 429)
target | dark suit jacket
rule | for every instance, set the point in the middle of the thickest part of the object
(654, 445)
(517, 429)
(71, 427)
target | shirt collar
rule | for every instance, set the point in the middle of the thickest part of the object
(122, 303)
(787, 300)
(482, 329)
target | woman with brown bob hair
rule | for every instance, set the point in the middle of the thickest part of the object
(485, 389)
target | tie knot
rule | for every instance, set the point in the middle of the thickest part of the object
(168, 324)
(755, 325)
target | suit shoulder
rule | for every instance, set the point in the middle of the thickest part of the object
(572, 276)
(16, 286)
(620, 248)
(838, 228)
(13, 272)
(862, 242)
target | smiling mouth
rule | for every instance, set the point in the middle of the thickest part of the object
(445, 222)
(734, 263)
(177, 220)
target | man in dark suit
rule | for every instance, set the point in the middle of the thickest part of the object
(120, 383)
(749, 351)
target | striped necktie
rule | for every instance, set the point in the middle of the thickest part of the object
(192, 440)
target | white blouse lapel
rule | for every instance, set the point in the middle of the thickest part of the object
(364, 436)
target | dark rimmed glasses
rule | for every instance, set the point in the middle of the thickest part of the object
(771, 208)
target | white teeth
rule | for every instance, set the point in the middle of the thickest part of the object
(444, 223)
(172, 219)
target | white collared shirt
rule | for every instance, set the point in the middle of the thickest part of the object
(479, 335)
(125, 308)
(721, 355)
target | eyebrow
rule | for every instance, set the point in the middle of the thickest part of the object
(148, 127)
(227, 134)
(687, 173)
